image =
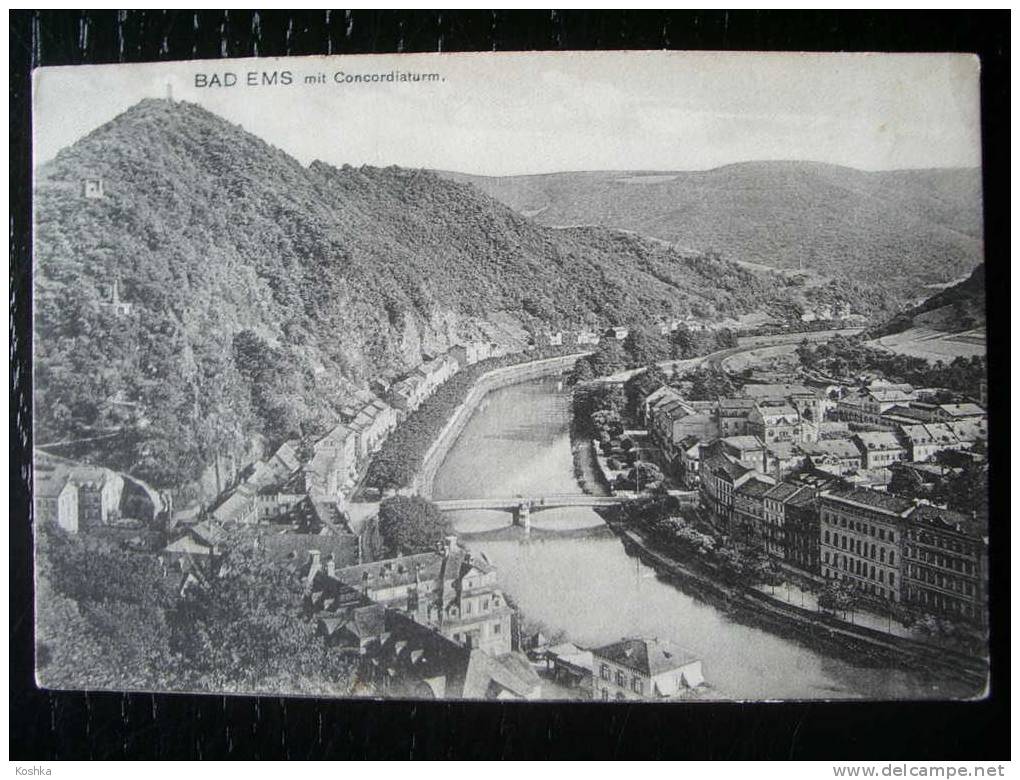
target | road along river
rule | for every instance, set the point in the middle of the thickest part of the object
(573, 574)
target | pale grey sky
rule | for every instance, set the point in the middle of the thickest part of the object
(533, 113)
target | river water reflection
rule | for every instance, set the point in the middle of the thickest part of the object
(572, 573)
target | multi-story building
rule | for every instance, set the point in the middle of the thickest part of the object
(774, 423)
(861, 537)
(55, 497)
(749, 511)
(732, 415)
(783, 457)
(721, 476)
(945, 564)
(640, 668)
(879, 449)
(836, 456)
(99, 494)
(372, 423)
(956, 412)
(919, 442)
(810, 404)
(689, 462)
(774, 503)
(802, 531)
(749, 451)
(451, 591)
(653, 400)
(674, 421)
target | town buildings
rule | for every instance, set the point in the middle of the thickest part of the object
(642, 668)
(76, 497)
(862, 531)
(879, 449)
(429, 625)
(945, 564)
(452, 591)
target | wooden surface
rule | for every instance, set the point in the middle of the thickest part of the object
(74, 725)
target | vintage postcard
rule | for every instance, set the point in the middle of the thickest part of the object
(648, 376)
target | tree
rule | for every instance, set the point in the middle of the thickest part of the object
(644, 476)
(609, 358)
(644, 346)
(709, 385)
(643, 384)
(411, 524)
(581, 373)
(607, 422)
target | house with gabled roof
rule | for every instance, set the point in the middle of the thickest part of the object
(879, 449)
(640, 668)
(451, 590)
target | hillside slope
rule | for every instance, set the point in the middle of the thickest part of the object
(954, 310)
(264, 291)
(910, 227)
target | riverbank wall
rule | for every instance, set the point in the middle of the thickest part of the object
(487, 382)
(819, 631)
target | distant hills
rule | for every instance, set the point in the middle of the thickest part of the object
(910, 228)
(262, 292)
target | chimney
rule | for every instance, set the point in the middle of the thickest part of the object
(330, 565)
(449, 544)
(316, 564)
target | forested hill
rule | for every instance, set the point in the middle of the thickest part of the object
(910, 227)
(262, 289)
(957, 308)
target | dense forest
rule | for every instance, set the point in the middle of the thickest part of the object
(111, 621)
(262, 291)
(909, 227)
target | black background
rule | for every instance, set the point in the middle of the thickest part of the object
(53, 725)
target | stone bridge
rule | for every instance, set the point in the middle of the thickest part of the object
(522, 507)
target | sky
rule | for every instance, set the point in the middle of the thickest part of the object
(506, 114)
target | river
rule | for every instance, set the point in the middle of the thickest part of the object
(573, 574)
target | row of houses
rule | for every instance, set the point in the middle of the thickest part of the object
(777, 428)
(409, 391)
(890, 548)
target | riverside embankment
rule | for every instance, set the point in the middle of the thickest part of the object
(573, 574)
(487, 382)
(820, 631)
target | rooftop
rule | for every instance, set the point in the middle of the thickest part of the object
(744, 443)
(649, 657)
(782, 491)
(879, 440)
(871, 499)
(962, 410)
(834, 448)
(950, 520)
(755, 488)
(776, 390)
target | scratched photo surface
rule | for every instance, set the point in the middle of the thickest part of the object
(646, 377)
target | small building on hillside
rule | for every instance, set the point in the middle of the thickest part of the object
(99, 494)
(92, 188)
(641, 668)
(55, 498)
